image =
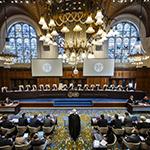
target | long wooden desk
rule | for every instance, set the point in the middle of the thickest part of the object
(15, 108)
(138, 108)
(72, 94)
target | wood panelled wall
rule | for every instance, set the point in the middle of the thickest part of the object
(141, 76)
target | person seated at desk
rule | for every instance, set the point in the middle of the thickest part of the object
(71, 86)
(23, 120)
(116, 123)
(8, 101)
(105, 87)
(131, 100)
(102, 122)
(119, 87)
(127, 120)
(54, 87)
(112, 87)
(142, 123)
(35, 122)
(86, 87)
(64, 87)
(6, 123)
(97, 87)
(92, 87)
(145, 100)
(134, 137)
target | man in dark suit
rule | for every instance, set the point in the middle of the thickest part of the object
(35, 122)
(142, 123)
(5, 141)
(48, 122)
(74, 125)
(116, 123)
(23, 120)
(102, 122)
(6, 123)
(127, 120)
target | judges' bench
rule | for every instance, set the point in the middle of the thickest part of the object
(14, 108)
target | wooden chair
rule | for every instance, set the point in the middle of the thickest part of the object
(113, 145)
(8, 131)
(102, 130)
(131, 146)
(118, 131)
(48, 130)
(144, 146)
(22, 147)
(7, 147)
(33, 129)
(21, 129)
(143, 131)
(128, 130)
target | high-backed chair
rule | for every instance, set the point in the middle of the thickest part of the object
(103, 130)
(113, 145)
(143, 131)
(118, 131)
(128, 130)
(47, 87)
(7, 147)
(4, 89)
(41, 87)
(21, 129)
(33, 129)
(28, 87)
(41, 147)
(7, 131)
(48, 129)
(131, 146)
(34, 87)
(144, 146)
(21, 88)
(79, 87)
(22, 147)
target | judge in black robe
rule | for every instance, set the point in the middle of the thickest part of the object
(74, 125)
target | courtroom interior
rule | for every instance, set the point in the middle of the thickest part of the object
(74, 75)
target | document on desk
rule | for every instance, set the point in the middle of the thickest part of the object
(103, 142)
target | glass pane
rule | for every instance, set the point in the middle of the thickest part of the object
(127, 27)
(25, 30)
(134, 31)
(18, 30)
(119, 26)
(11, 32)
(32, 32)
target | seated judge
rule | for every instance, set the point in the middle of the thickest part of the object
(119, 87)
(97, 87)
(71, 86)
(105, 87)
(92, 87)
(112, 87)
(64, 87)
(74, 125)
(86, 87)
(8, 101)
(54, 87)
(102, 122)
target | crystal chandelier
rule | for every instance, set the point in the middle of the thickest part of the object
(83, 24)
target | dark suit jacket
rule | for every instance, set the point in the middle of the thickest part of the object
(116, 123)
(47, 123)
(141, 125)
(102, 123)
(128, 121)
(37, 142)
(5, 141)
(74, 126)
(7, 124)
(35, 122)
(133, 138)
(23, 121)
(110, 138)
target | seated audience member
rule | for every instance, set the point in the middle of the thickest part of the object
(116, 123)
(86, 87)
(145, 99)
(147, 139)
(23, 120)
(79, 87)
(142, 123)
(36, 141)
(102, 122)
(6, 123)
(54, 87)
(110, 136)
(8, 101)
(19, 140)
(34, 122)
(134, 137)
(4, 141)
(48, 122)
(127, 120)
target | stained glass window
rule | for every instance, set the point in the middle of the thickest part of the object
(23, 42)
(123, 42)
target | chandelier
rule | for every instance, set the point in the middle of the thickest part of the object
(81, 22)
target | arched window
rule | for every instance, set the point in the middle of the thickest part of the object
(123, 42)
(22, 42)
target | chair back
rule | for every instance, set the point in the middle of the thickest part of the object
(144, 146)
(103, 130)
(128, 130)
(41, 147)
(112, 146)
(22, 147)
(143, 131)
(7, 147)
(21, 129)
(7, 131)
(132, 146)
(118, 131)
(33, 129)
(48, 129)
